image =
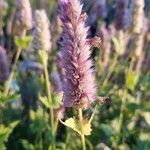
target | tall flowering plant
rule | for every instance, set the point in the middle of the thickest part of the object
(24, 21)
(79, 84)
(79, 87)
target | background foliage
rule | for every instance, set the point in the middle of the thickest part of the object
(122, 124)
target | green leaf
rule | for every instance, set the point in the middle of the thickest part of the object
(72, 123)
(45, 102)
(5, 132)
(133, 106)
(107, 130)
(86, 127)
(141, 145)
(8, 98)
(23, 42)
(57, 100)
(123, 147)
(131, 80)
(75, 125)
(56, 104)
(27, 145)
(119, 45)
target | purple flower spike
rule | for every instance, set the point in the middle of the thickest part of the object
(122, 14)
(24, 13)
(79, 85)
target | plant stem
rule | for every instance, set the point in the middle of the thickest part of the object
(89, 144)
(81, 125)
(48, 87)
(1, 114)
(124, 97)
(111, 69)
(121, 117)
(11, 75)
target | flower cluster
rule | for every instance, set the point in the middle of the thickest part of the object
(122, 14)
(138, 16)
(41, 33)
(79, 85)
(24, 13)
(104, 33)
(3, 7)
(98, 10)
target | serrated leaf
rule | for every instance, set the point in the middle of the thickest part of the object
(72, 123)
(23, 42)
(75, 125)
(57, 101)
(8, 98)
(86, 127)
(131, 80)
(45, 102)
(118, 45)
(56, 104)
(5, 132)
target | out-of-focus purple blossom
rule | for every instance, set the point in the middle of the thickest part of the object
(79, 85)
(60, 67)
(4, 67)
(104, 33)
(98, 10)
(41, 31)
(138, 45)
(138, 16)
(122, 39)
(31, 66)
(57, 30)
(147, 62)
(24, 13)
(138, 64)
(3, 10)
(139, 39)
(122, 14)
(3, 7)
(57, 84)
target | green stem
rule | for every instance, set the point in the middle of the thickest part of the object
(48, 87)
(123, 104)
(124, 97)
(1, 114)
(89, 144)
(56, 125)
(67, 140)
(111, 69)
(121, 117)
(82, 134)
(10, 78)
(93, 114)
